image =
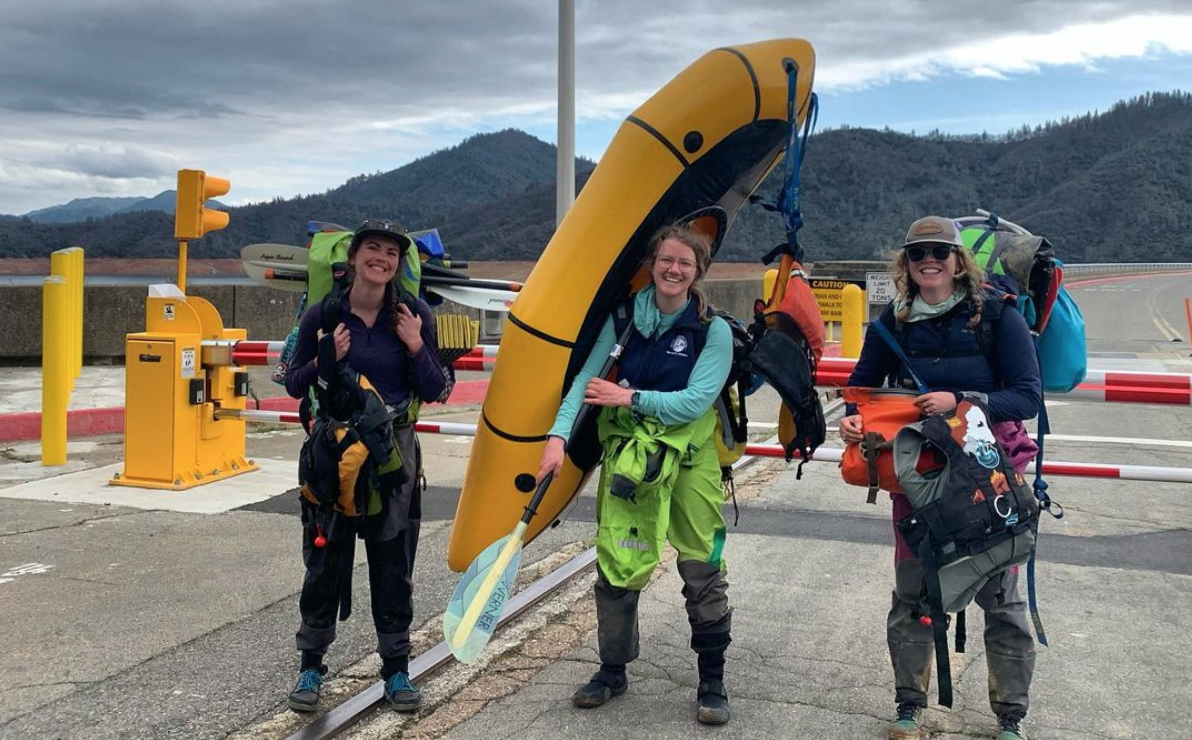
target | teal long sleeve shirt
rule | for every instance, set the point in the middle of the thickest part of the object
(673, 407)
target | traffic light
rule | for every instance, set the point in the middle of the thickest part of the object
(195, 188)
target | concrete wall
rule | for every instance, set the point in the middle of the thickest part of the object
(112, 311)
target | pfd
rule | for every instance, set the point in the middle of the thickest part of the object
(662, 363)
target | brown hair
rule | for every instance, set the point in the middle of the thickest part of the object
(700, 243)
(970, 277)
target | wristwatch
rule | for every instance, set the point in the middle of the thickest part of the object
(635, 399)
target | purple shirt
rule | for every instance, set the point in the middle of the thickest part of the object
(377, 353)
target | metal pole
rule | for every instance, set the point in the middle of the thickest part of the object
(565, 166)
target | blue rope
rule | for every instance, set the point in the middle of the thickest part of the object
(788, 201)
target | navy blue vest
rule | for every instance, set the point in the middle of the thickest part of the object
(664, 363)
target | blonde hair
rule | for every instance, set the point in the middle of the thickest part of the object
(700, 243)
(969, 277)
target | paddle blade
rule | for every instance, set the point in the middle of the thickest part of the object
(484, 298)
(476, 606)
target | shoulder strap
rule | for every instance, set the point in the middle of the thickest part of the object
(885, 334)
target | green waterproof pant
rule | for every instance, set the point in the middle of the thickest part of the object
(629, 542)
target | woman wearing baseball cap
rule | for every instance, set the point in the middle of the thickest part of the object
(936, 316)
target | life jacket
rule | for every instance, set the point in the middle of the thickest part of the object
(970, 520)
(787, 341)
(349, 464)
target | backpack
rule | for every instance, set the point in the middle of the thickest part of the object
(328, 244)
(970, 521)
(786, 343)
(1024, 268)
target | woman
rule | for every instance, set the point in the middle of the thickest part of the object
(395, 348)
(939, 314)
(673, 366)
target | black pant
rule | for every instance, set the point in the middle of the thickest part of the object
(329, 573)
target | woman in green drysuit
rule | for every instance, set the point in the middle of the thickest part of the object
(660, 477)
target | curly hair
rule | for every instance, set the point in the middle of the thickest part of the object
(700, 243)
(969, 277)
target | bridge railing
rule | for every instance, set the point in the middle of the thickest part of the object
(1123, 268)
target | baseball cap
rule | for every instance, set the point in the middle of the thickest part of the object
(381, 227)
(934, 230)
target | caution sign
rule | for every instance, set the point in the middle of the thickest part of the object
(168, 311)
(828, 296)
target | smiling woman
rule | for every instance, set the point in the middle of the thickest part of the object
(368, 333)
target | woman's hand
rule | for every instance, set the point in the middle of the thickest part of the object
(409, 329)
(601, 392)
(552, 458)
(851, 429)
(937, 402)
(342, 338)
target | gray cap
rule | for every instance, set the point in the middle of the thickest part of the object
(934, 230)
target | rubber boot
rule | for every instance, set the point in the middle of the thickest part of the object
(606, 683)
(711, 694)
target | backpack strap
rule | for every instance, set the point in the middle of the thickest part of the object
(939, 620)
(885, 334)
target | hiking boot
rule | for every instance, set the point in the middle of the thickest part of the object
(603, 686)
(713, 703)
(401, 694)
(305, 696)
(1011, 727)
(908, 725)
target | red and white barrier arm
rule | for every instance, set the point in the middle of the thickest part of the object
(823, 454)
(1099, 385)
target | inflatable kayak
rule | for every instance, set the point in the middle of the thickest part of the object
(695, 151)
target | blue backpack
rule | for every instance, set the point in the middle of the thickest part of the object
(1023, 267)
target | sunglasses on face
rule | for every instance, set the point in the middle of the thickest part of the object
(938, 252)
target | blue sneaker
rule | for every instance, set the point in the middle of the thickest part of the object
(305, 696)
(401, 694)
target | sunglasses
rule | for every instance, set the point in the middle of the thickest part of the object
(939, 252)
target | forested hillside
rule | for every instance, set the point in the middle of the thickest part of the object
(1110, 187)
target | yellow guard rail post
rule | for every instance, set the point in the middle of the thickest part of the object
(850, 323)
(55, 368)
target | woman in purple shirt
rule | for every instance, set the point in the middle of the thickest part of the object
(389, 337)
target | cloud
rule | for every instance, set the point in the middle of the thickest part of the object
(289, 96)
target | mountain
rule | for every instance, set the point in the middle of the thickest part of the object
(1114, 186)
(81, 209)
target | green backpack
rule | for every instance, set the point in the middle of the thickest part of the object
(329, 247)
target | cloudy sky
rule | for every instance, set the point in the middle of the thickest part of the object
(286, 97)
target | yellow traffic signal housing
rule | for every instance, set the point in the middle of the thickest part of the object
(195, 188)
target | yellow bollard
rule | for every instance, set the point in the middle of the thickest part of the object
(768, 281)
(853, 309)
(76, 290)
(55, 369)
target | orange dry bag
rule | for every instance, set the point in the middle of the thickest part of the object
(870, 463)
